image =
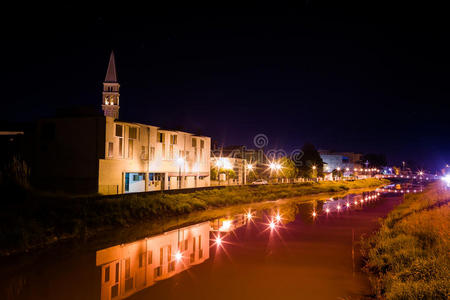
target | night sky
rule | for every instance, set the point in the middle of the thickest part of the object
(345, 77)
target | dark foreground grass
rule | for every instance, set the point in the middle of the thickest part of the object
(409, 257)
(30, 220)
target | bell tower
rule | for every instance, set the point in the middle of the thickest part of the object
(110, 104)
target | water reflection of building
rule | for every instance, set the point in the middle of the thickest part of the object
(228, 224)
(129, 268)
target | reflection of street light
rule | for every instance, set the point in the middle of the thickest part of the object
(180, 162)
(178, 256)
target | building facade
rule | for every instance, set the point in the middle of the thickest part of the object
(343, 160)
(106, 155)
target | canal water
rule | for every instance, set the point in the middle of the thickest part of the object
(291, 250)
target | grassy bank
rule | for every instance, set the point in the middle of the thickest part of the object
(409, 257)
(31, 220)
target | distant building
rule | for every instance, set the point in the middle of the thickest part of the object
(103, 154)
(238, 165)
(342, 160)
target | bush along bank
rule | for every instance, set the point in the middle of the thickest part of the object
(409, 257)
(34, 220)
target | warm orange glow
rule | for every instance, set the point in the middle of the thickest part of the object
(278, 217)
(178, 256)
(226, 225)
(272, 225)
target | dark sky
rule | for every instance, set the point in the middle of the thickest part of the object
(349, 77)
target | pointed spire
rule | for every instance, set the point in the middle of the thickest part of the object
(111, 75)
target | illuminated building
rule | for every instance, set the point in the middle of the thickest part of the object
(91, 153)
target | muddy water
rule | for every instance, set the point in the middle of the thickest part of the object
(290, 250)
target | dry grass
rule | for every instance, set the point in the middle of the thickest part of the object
(408, 258)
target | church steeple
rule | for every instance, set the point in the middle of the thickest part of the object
(110, 104)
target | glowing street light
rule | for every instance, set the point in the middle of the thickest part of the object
(348, 204)
(327, 210)
(249, 167)
(218, 241)
(314, 214)
(249, 216)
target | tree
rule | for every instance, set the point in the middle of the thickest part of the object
(337, 173)
(311, 164)
(289, 170)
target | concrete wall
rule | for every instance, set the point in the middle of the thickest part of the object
(68, 152)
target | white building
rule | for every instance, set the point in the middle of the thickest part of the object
(103, 154)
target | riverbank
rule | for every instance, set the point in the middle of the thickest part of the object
(38, 220)
(408, 258)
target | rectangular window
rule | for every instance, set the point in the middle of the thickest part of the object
(119, 130)
(130, 148)
(160, 137)
(194, 142)
(117, 272)
(114, 291)
(120, 147)
(110, 149)
(127, 268)
(163, 152)
(202, 144)
(173, 139)
(171, 267)
(132, 133)
(141, 260)
(169, 253)
(158, 271)
(161, 256)
(149, 257)
(107, 269)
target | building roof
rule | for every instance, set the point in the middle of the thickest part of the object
(111, 74)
